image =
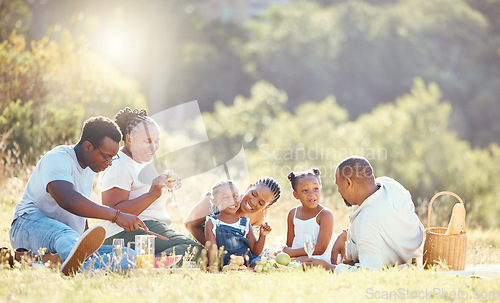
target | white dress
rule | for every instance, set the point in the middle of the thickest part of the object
(310, 226)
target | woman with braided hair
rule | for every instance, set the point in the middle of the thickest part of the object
(123, 189)
(254, 204)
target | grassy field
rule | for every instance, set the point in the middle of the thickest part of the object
(314, 285)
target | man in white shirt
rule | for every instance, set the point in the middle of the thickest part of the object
(384, 230)
(56, 202)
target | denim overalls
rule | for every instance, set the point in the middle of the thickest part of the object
(234, 241)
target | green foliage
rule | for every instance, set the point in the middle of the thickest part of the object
(14, 15)
(296, 53)
(366, 53)
(363, 52)
(211, 52)
(247, 118)
(409, 140)
(48, 89)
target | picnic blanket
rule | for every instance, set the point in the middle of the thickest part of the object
(477, 271)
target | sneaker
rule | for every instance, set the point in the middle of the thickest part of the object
(89, 242)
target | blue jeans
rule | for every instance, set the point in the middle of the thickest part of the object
(34, 231)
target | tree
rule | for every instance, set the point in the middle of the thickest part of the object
(47, 90)
(409, 140)
(367, 54)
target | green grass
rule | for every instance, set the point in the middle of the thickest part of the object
(316, 285)
(195, 286)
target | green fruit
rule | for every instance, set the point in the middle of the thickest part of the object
(258, 268)
(263, 260)
(283, 258)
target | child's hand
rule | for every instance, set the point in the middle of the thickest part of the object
(265, 229)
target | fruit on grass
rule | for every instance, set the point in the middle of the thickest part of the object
(238, 260)
(258, 268)
(283, 268)
(457, 220)
(295, 265)
(230, 266)
(166, 261)
(283, 258)
(264, 265)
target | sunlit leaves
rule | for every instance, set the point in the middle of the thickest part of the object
(49, 88)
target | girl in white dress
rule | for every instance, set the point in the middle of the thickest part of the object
(311, 218)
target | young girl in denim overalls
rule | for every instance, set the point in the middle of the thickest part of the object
(228, 230)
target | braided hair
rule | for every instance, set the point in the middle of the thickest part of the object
(127, 119)
(273, 186)
(293, 177)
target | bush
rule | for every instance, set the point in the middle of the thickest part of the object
(408, 140)
(48, 89)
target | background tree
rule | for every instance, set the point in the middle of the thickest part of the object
(47, 90)
(409, 140)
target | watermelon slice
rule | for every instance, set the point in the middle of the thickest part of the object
(167, 261)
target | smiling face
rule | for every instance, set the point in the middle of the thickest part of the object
(226, 198)
(308, 191)
(143, 141)
(256, 198)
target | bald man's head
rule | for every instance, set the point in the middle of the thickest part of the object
(356, 168)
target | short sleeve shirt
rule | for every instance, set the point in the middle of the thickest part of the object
(127, 174)
(59, 164)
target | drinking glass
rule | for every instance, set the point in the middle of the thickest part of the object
(309, 245)
(131, 256)
(118, 250)
(144, 251)
(177, 185)
(173, 201)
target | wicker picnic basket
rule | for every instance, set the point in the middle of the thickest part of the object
(440, 248)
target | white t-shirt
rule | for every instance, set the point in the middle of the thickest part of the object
(127, 174)
(385, 229)
(59, 164)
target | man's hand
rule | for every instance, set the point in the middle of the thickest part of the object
(130, 222)
(339, 247)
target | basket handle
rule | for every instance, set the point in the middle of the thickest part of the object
(434, 198)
